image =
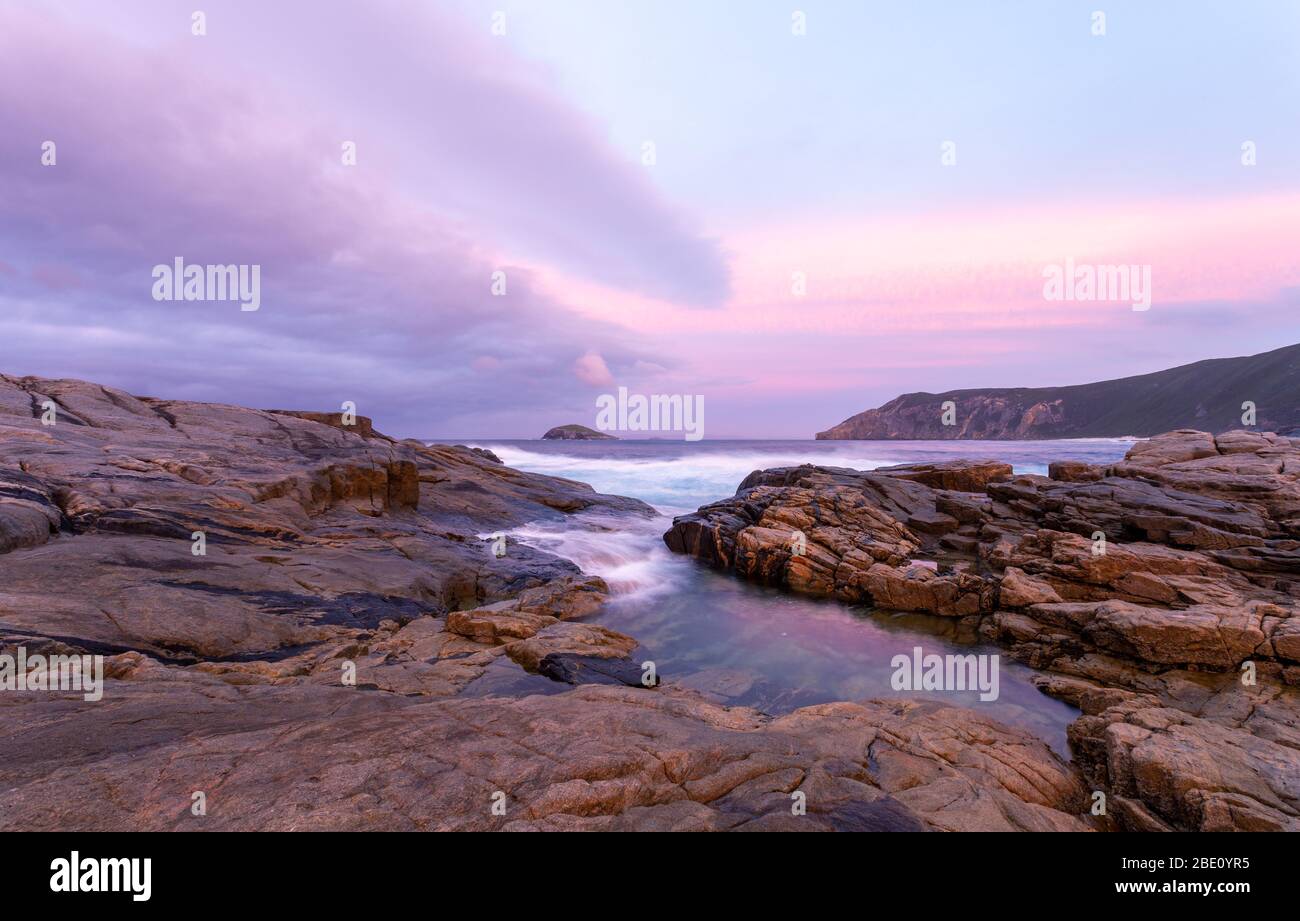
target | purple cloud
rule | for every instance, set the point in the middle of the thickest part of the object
(376, 283)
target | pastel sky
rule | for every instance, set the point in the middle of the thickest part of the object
(776, 156)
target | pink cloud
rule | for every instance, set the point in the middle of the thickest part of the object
(591, 369)
(965, 271)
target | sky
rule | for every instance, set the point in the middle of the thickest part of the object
(795, 211)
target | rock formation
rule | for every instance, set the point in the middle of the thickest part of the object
(1151, 592)
(576, 433)
(1210, 394)
(308, 623)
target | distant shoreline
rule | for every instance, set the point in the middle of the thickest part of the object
(495, 439)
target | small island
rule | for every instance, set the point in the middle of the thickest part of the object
(576, 433)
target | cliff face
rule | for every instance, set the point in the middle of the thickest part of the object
(1205, 395)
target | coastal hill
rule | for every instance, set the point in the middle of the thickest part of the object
(576, 433)
(1204, 395)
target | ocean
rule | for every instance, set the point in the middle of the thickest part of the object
(745, 644)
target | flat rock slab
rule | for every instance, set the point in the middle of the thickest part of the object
(293, 758)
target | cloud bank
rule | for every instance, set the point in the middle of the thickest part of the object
(378, 278)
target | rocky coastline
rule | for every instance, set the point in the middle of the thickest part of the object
(346, 651)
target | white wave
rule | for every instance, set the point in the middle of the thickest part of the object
(675, 485)
(628, 553)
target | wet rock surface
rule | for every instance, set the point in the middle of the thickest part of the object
(300, 613)
(1181, 560)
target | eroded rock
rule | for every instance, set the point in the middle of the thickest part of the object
(1184, 556)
